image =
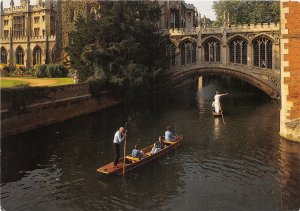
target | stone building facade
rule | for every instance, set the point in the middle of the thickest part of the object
(178, 14)
(28, 33)
(38, 34)
(290, 70)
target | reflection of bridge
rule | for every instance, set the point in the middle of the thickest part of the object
(248, 52)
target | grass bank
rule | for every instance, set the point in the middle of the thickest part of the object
(7, 82)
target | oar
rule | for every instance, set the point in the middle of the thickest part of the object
(125, 150)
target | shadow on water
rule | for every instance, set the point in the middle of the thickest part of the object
(240, 165)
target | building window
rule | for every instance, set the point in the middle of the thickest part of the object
(171, 54)
(18, 26)
(3, 56)
(37, 55)
(188, 52)
(174, 18)
(52, 25)
(212, 50)
(36, 32)
(262, 52)
(44, 32)
(6, 34)
(43, 17)
(238, 51)
(20, 56)
(5, 22)
(36, 19)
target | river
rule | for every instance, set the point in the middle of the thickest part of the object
(240, 165)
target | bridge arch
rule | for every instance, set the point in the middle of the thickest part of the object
(258, 82)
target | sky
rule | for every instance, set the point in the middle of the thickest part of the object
(203, 6)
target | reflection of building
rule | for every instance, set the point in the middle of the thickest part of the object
(28, 34)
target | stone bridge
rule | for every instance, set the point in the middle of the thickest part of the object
(247, 52)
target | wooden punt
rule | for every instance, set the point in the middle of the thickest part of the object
(217, 114)
(132, 163)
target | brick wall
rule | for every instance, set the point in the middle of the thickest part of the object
(290, 70)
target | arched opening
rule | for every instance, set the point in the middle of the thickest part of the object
(3, 56)
(238, 51)
(20, 56)
(260, 83)
(171, 54)
(37, 55)
(188, 50)
(212, 50)
(262, 52)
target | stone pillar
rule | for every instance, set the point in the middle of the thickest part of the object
(199, 49)
(224, 48)
(249, 55)
(290, 70)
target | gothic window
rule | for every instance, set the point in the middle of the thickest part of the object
(3, 56)
(171, 49)
(194, 52)
(188, 52)
(20, 56)
(238, 51)
(183, 52)
(37, 55)
(212, 50)
(52, 25)
(262, 52)
(174, 18)
(36, 32)
(18, 26)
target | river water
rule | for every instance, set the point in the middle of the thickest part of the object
(240, 165)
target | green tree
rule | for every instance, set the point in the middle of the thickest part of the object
(124, 46)
(247, 11)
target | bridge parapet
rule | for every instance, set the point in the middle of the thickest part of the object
(240, 28)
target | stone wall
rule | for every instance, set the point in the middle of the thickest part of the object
(290, 70)
(63, 103)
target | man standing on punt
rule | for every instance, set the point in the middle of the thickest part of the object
(118, 138)
(217, 102)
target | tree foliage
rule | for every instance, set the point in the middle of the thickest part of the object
(247, 11)
(123, 46)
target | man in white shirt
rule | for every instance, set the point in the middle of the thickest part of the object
(118, 138)
(217, 102)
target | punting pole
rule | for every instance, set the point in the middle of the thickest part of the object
(125, 141)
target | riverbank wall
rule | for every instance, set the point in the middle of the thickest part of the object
(26, 109)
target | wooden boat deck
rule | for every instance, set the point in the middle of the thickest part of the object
(132, 162)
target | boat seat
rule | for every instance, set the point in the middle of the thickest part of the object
(169, 142)
(133, 159)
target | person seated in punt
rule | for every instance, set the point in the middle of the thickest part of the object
(137, 153)
(169, 135)
(158, 146)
